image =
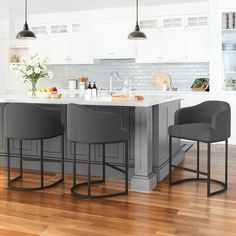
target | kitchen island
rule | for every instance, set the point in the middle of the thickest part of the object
(147, 122)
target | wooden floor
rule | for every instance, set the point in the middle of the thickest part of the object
(179, 210)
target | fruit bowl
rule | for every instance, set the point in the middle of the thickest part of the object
(43, 94)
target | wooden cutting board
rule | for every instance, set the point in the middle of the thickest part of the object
(162, 78)
(120, 98)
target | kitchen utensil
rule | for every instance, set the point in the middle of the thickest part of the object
(83, 83)
(162, 79)
(72, 84)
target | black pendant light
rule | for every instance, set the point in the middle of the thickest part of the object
(26, 33)
(137, 34)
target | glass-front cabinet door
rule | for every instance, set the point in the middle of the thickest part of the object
(229, 51)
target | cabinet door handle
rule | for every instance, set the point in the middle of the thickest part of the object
(68, 58)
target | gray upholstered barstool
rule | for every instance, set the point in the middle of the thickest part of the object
(31, 122)
(85, 126)
(208, 122)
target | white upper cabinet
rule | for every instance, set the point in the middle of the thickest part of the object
(173, 46)
(197, 39)
(110, 39)
(172, 39)
(80, 45)
(39, 47)
(63, 43)
(177, 39)
(58, 49)
(149, 50)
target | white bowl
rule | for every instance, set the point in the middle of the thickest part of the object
(43, 94)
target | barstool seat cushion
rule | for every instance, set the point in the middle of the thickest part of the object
(88, 126)
(29, 121)
(194, 131)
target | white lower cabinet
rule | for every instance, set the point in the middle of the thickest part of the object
(231, 99)
(194, 98)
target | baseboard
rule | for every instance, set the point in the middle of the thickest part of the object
(163, 170)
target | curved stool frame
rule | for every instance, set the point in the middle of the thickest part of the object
(90, 182)
(198, 172)
(42, 185)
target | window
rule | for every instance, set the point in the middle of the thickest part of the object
(59, 29)
(172, 23)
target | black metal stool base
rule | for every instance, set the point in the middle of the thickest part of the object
(204, 180)
(86, 196)
(90, 182)
(27, 189)
(42, 186)
(198, 172)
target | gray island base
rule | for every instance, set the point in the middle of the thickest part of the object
(147, 122)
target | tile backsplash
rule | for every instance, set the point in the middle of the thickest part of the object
(182, 74)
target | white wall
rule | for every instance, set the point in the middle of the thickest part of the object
(4, 45)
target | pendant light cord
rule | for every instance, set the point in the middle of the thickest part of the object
(26, 8)
(137, 12)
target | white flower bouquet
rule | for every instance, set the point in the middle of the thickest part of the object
(32, 70)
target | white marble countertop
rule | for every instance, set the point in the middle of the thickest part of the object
(147, 102)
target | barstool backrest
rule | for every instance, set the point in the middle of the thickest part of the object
(88, 126)
(201, 113)
(30, 121)
(204, 111)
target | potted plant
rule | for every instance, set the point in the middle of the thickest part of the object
(201, 84)
(33, 69)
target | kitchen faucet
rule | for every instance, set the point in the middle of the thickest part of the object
(114, 73)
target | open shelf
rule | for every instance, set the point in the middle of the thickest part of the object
(16, 54)
(229, 30)
(230, 72)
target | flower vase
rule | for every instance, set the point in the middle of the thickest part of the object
(33, 89)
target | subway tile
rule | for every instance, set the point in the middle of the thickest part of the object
(183, 74)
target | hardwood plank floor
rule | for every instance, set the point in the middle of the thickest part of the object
(180, 210)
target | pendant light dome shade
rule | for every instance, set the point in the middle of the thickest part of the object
(26, 33)
(137, 34)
